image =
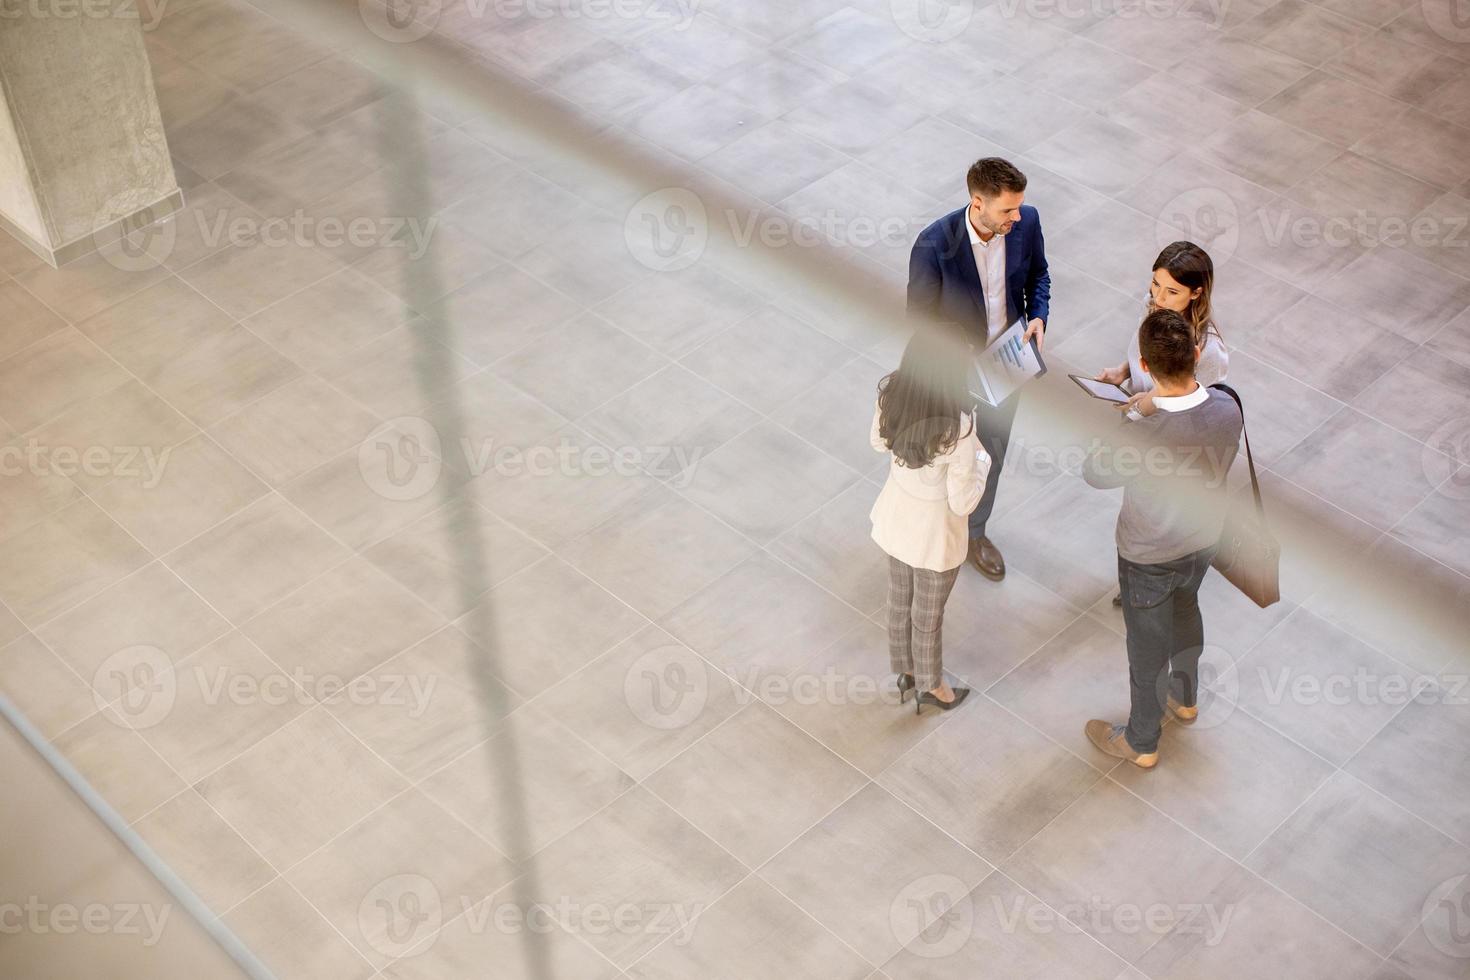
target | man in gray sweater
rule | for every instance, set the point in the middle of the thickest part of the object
(1173, 466)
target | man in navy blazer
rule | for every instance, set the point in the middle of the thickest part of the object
(982, 267)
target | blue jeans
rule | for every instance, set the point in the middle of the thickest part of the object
(1165, 638)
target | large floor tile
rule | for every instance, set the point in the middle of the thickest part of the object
(733, 783)
(765, 480)
(1354, 858)
(221, 701)
(834, 546)
(547, 622)
(645, 701)
(989, 779)
(292, 937)
(1245, 924)
(1227, 777)
(760, 620)
(1322, 687)
(453, 556)
(1110, 854)
(299, 787)
(1002, 928)
(198, 844)
(255, 558)
(1080, 674)
(753, 931)
(364, 880)
(875, 873)
(1320, 464)
(656, 550)
(1428, 732)
(636, 850)
(57, 372)
(65, 559)
(423, 707)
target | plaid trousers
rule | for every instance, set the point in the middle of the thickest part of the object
(916, 598)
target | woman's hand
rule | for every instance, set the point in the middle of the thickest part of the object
(1113, 376)
(1142, 403)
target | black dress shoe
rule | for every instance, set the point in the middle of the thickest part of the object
(925, 697)
(985, 556)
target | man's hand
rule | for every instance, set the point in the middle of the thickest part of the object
(1142, 403)
(1036, 328)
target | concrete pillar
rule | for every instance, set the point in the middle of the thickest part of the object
(82, 152)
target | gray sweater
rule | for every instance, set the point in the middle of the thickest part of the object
(1172, 466)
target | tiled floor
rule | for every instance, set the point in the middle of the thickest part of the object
(421, 585)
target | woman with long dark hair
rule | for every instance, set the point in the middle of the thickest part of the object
(935, 478)
(1183, 279)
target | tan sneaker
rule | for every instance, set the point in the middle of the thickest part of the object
(1180, 712)
(1110, 740)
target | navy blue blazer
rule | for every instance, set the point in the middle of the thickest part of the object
(944, 283)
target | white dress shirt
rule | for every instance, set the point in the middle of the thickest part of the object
(990, 262)
(921, 515)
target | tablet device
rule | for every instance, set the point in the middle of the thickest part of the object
(1100, 389)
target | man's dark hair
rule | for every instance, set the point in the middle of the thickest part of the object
(991, 175)
(1166, 341)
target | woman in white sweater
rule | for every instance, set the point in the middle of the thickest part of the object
(1183, 278)
(935, 478)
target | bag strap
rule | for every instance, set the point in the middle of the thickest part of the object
(1250, 461)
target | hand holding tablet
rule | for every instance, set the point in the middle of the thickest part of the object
(1101, 389)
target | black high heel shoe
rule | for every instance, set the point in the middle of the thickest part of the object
(926, 697)
(905, 685)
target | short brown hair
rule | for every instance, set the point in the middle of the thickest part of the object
(1166, 342)
(989, 176)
